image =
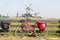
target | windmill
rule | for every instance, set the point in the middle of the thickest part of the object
(28, 12)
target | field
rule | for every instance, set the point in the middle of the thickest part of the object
(28, 38)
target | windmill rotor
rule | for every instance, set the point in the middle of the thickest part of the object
(29, 7)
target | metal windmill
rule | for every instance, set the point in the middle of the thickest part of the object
(28, 12)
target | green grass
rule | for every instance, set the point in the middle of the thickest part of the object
(35, 29)
(32, 23)
(27, 34)
(14, 28)
(54, 34)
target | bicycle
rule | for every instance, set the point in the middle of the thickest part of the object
(41, 33)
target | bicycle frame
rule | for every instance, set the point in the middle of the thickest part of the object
(25, 24)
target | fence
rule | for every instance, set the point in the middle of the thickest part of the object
(53, 25)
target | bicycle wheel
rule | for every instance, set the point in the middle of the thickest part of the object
(18, 33)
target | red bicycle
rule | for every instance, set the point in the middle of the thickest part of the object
(39, 29)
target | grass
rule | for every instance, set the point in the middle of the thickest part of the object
(32, 23)
(26, 37)
(51, 29)
(14, 28)
(35, 29)
(57, 35)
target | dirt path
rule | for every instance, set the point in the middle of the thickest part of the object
(26, 38)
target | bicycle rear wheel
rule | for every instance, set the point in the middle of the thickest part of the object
(43, 33)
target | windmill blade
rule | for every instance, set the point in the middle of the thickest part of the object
(36, 13)
(25, 5)
(28, 5)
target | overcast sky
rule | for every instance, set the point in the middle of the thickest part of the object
(47, 8)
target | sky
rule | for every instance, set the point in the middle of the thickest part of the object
(47, 8)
